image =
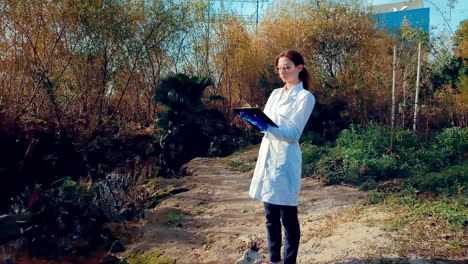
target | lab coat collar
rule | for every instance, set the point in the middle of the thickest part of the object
(289, 94)
(296, 89)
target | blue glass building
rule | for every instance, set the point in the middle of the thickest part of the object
(417, 18)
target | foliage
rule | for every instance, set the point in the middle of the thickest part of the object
(312, 137)
(223, 145)
(148, 257)
(460, 40)
(434, 227)
(450, 180)
(243, 167)
(85, 65)
(335, 57)
(311, 154)
(200, 210)
(174, 218)
(226, 144)
(180, 134)
(67, 220)
(362, 157)
(374, 197)
(36, 154)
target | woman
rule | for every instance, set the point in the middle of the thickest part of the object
(277, 175)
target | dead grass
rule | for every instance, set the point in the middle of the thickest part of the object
(429, 229)
(326, 226)
(423, 229)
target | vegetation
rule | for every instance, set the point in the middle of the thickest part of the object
(361, 156)
(88, 87)
(179, 131)
(174, 219)
(421, 183)
(433, 227)
(149, 257)
(67, 220)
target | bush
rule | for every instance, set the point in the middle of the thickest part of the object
(446, 148)
(311, 154)
(451, 180)
(180, 131)
(224, 145)
(362, 157)
(330, 169)
(66, 220)
(311, 137)
(374, 198)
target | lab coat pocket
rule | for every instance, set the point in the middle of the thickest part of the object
(281, 155)
(282, 182)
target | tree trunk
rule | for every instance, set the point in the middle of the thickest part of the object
(403, 108)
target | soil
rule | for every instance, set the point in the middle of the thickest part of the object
(215, 220)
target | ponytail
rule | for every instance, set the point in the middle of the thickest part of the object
(305, 78)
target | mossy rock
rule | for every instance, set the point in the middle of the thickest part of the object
(149, 257)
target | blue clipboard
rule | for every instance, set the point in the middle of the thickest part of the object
(255, 111)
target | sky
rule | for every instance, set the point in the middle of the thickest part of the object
(436, 7)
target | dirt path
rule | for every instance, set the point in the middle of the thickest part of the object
(215, 221)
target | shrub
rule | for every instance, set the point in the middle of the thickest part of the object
(311, 154)
(330, 169)
(362, 156)
(311, 137)
(180, 134)
(446, 148)
(63, 216)
(451, 180)
(224, 145)
(374, 198)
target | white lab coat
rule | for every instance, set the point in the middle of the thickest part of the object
(277, 175)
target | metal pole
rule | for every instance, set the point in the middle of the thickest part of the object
(256, 22)
(416, 106)
(393, 87)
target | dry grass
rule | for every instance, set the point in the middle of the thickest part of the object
(424, 228)
(429, 236)
(326, 226)
(428, 229)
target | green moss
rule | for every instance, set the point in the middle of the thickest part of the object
(149, 257)
(158, 190)
(241, 166)
(173, 218)
(241, 151)
(200, 210)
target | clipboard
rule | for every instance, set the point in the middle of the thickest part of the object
(255, 111)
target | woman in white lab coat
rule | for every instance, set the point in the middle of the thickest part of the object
(277, 175)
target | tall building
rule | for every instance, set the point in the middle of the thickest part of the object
(391, 16)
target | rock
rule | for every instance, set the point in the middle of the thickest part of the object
(128, 212)
(251, 257)
(116, 247)
(250, 242)
(12, 227)
(109, 259)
